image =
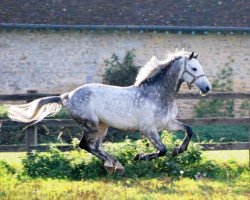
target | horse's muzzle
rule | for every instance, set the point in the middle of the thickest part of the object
(205, 89)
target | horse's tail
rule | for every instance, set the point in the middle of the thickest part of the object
(36, 110)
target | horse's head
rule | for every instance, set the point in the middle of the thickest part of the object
(194, 75)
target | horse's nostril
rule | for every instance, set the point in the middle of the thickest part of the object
(207, 88)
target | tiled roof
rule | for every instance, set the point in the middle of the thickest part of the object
(214, 13)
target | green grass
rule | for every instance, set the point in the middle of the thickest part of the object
(20, 186)
(13, 158)
(106, 189)
(239, 156)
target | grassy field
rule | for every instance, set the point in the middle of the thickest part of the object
(157, 188)
(240, 156)
(162, 187)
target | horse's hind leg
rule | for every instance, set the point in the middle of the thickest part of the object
(155, 139)
(175, 126)
(92, 141)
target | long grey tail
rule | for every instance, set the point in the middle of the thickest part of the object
(36, 110)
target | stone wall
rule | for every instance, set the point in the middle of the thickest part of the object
(51, 62)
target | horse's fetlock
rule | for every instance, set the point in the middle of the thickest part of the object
(162, 152)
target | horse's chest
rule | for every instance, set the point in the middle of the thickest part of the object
(164, 116)
(173, 110)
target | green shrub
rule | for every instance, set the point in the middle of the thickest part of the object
(55, 164)
(77, 165)
(121, 73)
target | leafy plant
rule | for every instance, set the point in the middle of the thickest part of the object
(56, 164)
(121, 73)
(77, 165)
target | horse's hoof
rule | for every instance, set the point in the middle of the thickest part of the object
(109, 167)
(175, 152)
(120, 170)
(137, 157)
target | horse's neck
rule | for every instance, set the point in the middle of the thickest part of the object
(166, 85)
(170, 81)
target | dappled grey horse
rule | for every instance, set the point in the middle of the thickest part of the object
(148, 106)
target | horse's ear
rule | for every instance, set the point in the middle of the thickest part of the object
(154, 61)
(191, 55)
(196, 55)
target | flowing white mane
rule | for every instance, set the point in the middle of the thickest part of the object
(154, 66)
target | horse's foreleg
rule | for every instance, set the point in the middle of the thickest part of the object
(155, 139)
(176, 126)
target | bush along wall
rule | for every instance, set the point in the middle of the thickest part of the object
(121, 73)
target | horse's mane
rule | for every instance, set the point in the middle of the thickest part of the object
(154, 66)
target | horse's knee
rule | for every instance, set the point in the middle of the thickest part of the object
(162, 151)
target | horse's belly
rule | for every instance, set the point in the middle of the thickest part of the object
(118, 115)
(114, 106)
(120, 120)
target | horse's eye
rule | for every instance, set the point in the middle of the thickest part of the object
(194, 69)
